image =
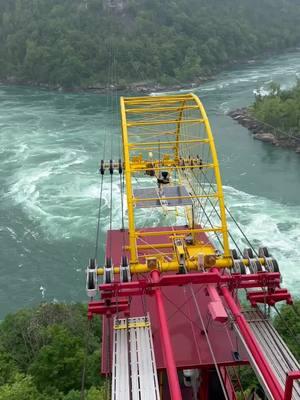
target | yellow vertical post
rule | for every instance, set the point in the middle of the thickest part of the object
(131, 224)
(217, 175)
(178, 131)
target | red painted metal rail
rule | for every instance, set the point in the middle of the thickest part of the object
(166, 340)
(291, 377)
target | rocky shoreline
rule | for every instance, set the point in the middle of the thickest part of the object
(135, 87)
(264, 132)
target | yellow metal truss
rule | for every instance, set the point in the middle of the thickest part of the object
(162, 133)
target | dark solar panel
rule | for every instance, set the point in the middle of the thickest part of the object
(159, 195)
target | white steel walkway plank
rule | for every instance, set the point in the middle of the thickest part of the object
(276, 351)
(120, 370)
(134, 367)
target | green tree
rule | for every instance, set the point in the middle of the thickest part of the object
(280, 109)
(76, 42)
(22, 388)
(288, 325)
(8, 368)
(58, 363)
(49, 343)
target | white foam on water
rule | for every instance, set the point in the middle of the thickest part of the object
(12, 232)
(224, 107)
(66, 205)
(262, 91)
(170, 92)
(71, 211)
(43, 291)
(271, 224)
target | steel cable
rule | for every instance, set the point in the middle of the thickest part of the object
(99, 217)
(208, 342)
(235, 222)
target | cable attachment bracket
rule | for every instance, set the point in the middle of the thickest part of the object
(271, 264)
(125, 275)
(102, 168)
(108, 276)
(180, 250)
(91, 278)
(238, 265)
(120, 167)
(254, 263)
(111, 166)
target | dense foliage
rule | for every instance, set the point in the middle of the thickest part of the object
(280, 109)
(73, 42)
(43, 352)
(288, 325)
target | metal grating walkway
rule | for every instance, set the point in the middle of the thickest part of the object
(134, 375)
(168, 196)
(275, 350)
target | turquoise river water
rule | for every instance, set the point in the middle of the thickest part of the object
(50, 147)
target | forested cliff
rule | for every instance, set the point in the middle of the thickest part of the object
(72, 42)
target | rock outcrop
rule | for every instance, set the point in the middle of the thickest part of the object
(264, 132)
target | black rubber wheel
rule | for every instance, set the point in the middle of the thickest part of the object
(249, 253)
(181, 270)
(258, 266)
(265, 252)
(107, 277)
(234, 254)
(124, 261)
(242, 268)
(252, 271)
(275, 265)
(108, 263)
(91, 283)
(125, 276)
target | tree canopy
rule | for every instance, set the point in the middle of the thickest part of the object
(43, 350)
(280, 109)
(84, 42)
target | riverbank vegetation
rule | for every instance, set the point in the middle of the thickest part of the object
(44, 350)
(86, 43)
(274, 118)
(280, 109)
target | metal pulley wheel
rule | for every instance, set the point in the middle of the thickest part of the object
(271, 264)
(92, 263)
(238, 265)
(125, 275)
(91, 281)
(108, 271)
(254, 264)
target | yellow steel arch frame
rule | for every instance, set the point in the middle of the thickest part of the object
(155, 113)
(129, 192)
(217, 174)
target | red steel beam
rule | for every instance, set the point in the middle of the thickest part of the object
(103, 308)
(269, 298)
(291, 377)
(166, 340)
(255, 280)
(254, 347)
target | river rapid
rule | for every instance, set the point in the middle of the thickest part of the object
(50, 147)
